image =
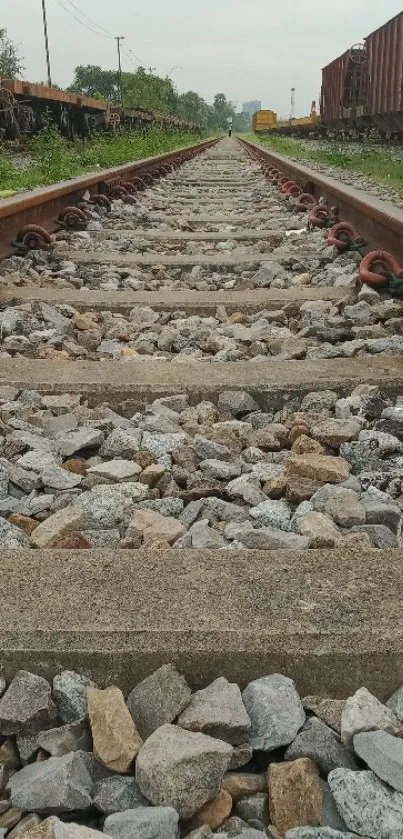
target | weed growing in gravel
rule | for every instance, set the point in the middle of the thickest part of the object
(51, 158)
(381, 164)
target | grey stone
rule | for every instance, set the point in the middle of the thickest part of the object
(330, 814)
(270, 539)
(158, 699)
(203, 536)
(275, 514)
(12, 537)
(395, 703)
(220, 469)
(27, 705)
(387, 514)
(110, 505)
(380, 535)
(115, 794)
(383, 754)
(54, 477)
(237, 402)
(116, 470)
(318, 833)
(57, 785)
(74, 441)
(143, 823)
(367, 805)
(209, 449)
(72, 737)
(251, 833)
(319, 743)
(162, 444)
(121, 443)
(218, 711)
(341, 504)
(364, 712)
(181, 769)
(275, 711)
(70, 696)
(28, 747)
(253, 807)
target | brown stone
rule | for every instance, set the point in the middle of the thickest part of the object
(334, 432)
(150, 525)
(301, 489)
(243, 785)
(76, 465)
(275, 488)
(328, 710)
(318, 467)
(10, 818)
(297, 431)
(273, 833)
(128, 352)
(152, 474)
(144, 459)
(214, 813)
(116, 739)
(295, 795)
(73, 541)
(25, 523)
(305, 445)
(237, 317)
(85, 321)
(263, 438)
(9, 757)
(29, 822)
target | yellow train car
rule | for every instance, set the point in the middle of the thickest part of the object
(264, 121)
(301, 125)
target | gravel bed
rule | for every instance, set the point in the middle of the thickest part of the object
(80, 762)
(358, 325)
(303, 259)
(321, 472)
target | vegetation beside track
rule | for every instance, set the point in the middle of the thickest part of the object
(384, 165)
(49, 157)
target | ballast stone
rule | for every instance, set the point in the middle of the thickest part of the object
(158, 699)
(367, 805)
(143, 823)
(27, 705)
(116, 794)
(181, 769)
(364, 712)
(218, 711)
(56, 785)
(70, 695)
(275, 710)
(383, 754)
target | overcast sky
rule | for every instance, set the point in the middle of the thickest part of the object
(247, 49)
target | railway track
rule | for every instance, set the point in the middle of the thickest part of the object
(202, 463)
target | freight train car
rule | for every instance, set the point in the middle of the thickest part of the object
(362, 89)
(264, 121)
(26, 108)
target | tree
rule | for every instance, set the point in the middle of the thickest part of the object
(11, 64)
(242, 123)
(224, 110)
(92, 80)
(144, 89)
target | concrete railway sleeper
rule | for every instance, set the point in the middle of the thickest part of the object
(201, 480)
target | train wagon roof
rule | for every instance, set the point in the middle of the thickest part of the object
(51, 94)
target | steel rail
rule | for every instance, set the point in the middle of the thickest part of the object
(42, 206)
(380, 223)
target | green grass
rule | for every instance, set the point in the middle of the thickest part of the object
(382, 164)
(52, 158)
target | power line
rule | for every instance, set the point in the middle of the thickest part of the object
(86, 25)
(91, 21)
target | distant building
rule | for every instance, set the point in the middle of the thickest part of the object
(250, 108)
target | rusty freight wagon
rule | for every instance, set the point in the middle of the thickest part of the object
(25, 108)
(384, 49)
(344, 95)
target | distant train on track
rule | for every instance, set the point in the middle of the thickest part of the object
(362, 92)
(25, 108)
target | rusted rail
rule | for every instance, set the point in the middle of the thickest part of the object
(42, 207)
(380, 223)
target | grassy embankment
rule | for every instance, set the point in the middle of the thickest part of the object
(381, 164)
(50, 158)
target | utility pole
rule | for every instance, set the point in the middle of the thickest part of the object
(292, 112)
(45, 32)
(118, 39)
